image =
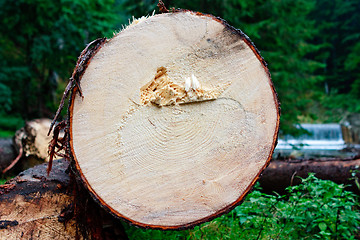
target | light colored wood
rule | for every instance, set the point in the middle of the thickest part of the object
(34, 139)
(191, 148)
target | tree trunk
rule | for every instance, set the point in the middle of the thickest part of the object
(175, 119)
(283, 173)
(36, 206)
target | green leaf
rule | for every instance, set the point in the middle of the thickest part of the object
(242, 219)
(322, 226)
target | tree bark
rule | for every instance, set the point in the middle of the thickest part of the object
(175, 119)
(36, 206)
(31, 203)
(283, 173)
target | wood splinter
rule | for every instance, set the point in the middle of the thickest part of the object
(161, 91)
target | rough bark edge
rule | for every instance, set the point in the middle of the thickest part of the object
(162, 7)
(57, 144)
(81, 65)
(32, 186)
(80, 176)
(87, 219)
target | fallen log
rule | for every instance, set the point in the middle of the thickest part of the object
(30, 205)
(171, 121)
(29, 147)
(36, 206)
(33, 139)
(283, 173)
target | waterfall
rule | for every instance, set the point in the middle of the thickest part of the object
(321, 137)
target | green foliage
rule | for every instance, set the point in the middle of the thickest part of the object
(9, 124)
(140, 8)
(40, 42)
(339, 33)
(315, 209)
(4, 180)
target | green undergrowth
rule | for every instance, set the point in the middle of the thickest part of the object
(9, 125)
(3, 180)
(315, 209)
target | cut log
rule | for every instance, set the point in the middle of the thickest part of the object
(33, 138)
(36, 206)
(176, 119)
(28, 148)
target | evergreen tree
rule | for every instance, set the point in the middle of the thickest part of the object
(312, 48)
(40, 42)
(338, 22)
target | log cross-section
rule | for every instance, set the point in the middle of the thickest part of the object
(178, 119)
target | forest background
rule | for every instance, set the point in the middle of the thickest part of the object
(312, 48)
